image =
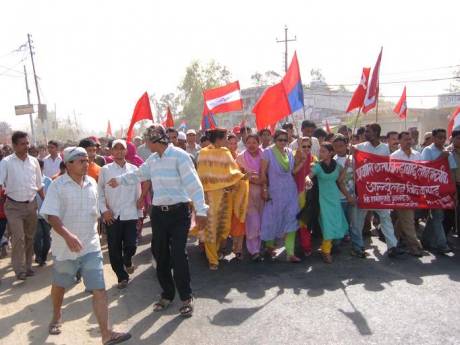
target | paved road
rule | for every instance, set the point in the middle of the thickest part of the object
(352, 301)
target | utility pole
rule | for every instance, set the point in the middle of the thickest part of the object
(28, 102)
(285, 41)
(36, 83)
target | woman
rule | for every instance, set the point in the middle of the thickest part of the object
(232, 145)
(303, 160)
(280, 193)
(330, 177)
(226, 193)
(250, 162)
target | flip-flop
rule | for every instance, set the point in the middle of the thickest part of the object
(54, 328)
(187, 308)
(118, 338)
(161, 305)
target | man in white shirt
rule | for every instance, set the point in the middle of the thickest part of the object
(404, 226)
(21, 177)
(307, 131)
(192, 147)
(120, 213)
(71, 208)
(53, 160)
(373, 145)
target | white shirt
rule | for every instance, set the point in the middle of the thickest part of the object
(401, 155)
(241, 146)
(20, 178)
(381, 149)
(314, 146)
(122, 199)
(144, 152)
(51, 166)
(193, 150)
(76, 207)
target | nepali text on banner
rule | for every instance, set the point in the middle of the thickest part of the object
(384, 183)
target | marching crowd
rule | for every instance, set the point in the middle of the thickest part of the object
(262, 190)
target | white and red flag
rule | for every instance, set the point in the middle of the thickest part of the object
(358, 96)
(401, 107)
(372, 94)
(454, 121)
(223, 99)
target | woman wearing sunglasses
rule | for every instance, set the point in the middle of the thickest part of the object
(280, 193)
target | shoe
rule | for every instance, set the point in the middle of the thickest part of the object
(4, 251)
(417, 253)
(30, 273)
(130, 269)
(444, 250)
(213, 267)
(22, 276)
(293, 259)
(395, 252)
(122, 285)
(327, 258)
(359, 253)
(257, 258)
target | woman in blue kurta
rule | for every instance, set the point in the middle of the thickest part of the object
(330, 183)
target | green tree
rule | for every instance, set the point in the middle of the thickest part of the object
(199, 77)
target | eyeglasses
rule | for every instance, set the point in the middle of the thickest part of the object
(306, 146)
(282, 140)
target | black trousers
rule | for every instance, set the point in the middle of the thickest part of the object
(42, 240)
(169, 238)
(121, 240)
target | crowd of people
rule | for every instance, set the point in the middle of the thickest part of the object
(261, 191)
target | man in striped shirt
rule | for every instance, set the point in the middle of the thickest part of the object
(175, 184)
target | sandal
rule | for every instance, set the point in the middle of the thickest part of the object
(187, 308)
(293, 259)
(213, 267)
(54, 328)
(257, 258)
(327, 258)
(117, 338)
(161, 305)
(239, 256)
(22, 276)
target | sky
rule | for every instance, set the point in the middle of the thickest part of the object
(96, 58)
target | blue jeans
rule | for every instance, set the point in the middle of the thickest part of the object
(434, 235)
(386, 226)
(42, 240)
(2, 228)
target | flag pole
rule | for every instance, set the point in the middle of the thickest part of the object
(377, 110)
(356, 121)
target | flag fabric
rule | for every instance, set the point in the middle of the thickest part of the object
(280, 100)
(169, 122)
(183, 126)
(223, 99)
(401, 107)
(208, 122)
(109, 130)
(357, 99)
(454, 121)
(372, 93)
(292, 84)
(142, 111)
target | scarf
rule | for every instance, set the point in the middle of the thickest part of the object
(282, 159)
(328, 168)
(252, 163)
(131, 155)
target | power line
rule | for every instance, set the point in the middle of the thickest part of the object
(422, 70)
(401, 81)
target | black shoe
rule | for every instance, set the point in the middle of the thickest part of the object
(444, 250)
(395, 252)
(359, 253)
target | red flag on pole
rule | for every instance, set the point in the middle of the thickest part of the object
(142, 111)
(109, 130)
(401, 107)
(454, 121)
(169, 122)
(271, 107)
(357, 99)
(372, 94)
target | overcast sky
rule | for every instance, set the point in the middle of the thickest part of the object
(98, 57)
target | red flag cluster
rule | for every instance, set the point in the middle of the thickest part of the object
(142, 111)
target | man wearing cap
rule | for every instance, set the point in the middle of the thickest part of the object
(182, 141)
(120, 213)
(71, 208)
(175, 184)
(192, 147)
(21, 178)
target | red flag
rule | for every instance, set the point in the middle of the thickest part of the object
(372, 94)
(401, 107)
(360, 92)
(223, 99)
(142, 111)
(271, 107)
(454, 121)
(169, 122)
(109, 130)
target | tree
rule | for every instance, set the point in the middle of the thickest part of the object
(5, 132)
(267, 78)
(160, 105)
(199, 77)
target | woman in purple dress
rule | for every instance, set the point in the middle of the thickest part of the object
(280, 193)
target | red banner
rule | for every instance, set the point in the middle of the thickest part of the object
(382, 183)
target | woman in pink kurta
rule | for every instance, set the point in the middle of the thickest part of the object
(249, 161)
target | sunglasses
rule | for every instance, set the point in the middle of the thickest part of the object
(306, 146)
(282, 140)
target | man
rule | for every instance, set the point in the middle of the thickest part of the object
(307, 129)
(373, 145)
(289, 128)
(172, 134)
(182, 141)
(244, 132)
(120, 213)
(98, 159)
(90, 146)
(265, 138)
(53, 160)
(143, 151)
(393, 141)
(434, 236)
(454, 220)
(175, 184)
(71, 209)
(427, 140)
(192, 147)
(414, 136)
(405, 227)
(137, 141)
(21, 177)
